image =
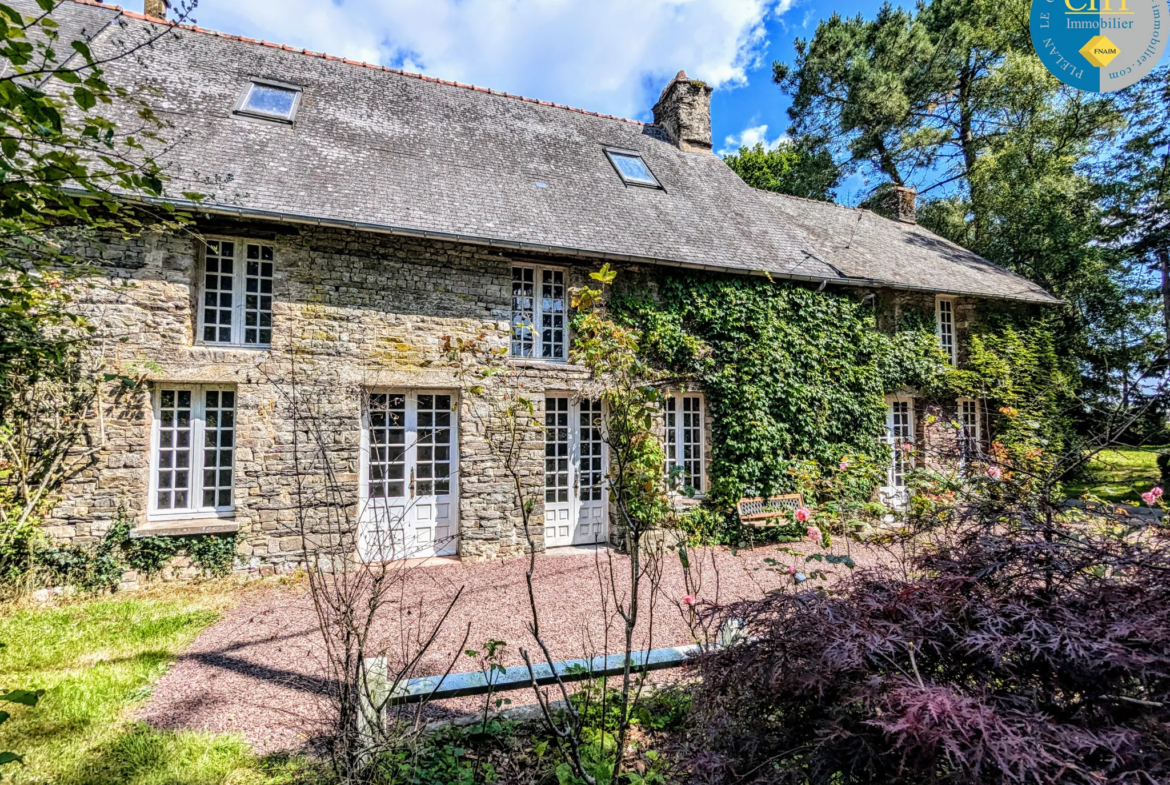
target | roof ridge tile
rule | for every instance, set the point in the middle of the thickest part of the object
(359, 63)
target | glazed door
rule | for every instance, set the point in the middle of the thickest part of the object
(575, 498)
(408, 487)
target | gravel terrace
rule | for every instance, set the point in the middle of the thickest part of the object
(258, 671)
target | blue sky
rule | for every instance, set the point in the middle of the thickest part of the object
(611, 56)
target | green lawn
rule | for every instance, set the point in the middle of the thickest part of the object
(1121, 475)
(96, 660)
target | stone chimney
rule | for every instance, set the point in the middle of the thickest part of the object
(900, 203)
(155, 9)
(684, 112)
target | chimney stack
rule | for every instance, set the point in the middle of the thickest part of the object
(155, 9)
(684, 112)
(900, 203)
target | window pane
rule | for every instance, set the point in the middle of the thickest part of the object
(387, 445)
(591, 476)
(219, 266)
(219, 438)
(556, 449)
(174, 423)
(552, 307)
(692, 442)
(632, 168)
(257, 308)
(946, 327)
(270, 100)
(523, 311)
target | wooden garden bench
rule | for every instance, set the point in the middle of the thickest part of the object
(760, 511)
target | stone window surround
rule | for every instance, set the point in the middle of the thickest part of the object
(191, 514)
(239, 296)
(677, 442)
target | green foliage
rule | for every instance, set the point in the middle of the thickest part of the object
(790, 373)
(789, 168)
(21, 698)
(213, 553)
(796, 380)
(148, 555)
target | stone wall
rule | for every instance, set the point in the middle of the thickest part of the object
(352, 312)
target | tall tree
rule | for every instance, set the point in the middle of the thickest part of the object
(793, 168)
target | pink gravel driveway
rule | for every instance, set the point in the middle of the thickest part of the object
(258, 671)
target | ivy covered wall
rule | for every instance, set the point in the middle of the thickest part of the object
(792, 374)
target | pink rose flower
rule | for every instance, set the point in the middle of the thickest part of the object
(995, 472)
(803, 514)
(907, 447)
(688, 600)
(844, 465)
(1149, 498)
(1157, 492)
(791, 570)
(814, 533)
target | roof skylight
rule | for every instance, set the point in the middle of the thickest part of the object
(632, 169)
(270, 100)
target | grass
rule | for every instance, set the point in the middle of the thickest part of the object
(97, 660)
(1121, 475)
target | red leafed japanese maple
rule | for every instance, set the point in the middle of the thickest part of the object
(1019, 647)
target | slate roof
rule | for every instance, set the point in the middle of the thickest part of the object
(382, 150)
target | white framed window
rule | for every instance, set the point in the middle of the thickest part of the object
(684, 439)
(539, 313)
(192, 454)
(900, 437)
(969, 432)
(235, 293)
(944, 319)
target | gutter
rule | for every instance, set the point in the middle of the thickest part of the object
(560, 250)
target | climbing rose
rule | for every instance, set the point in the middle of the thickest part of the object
(907, 447)
(1157, 492)
(689, 599)
(803, 514)
(995, 472)
(1149, 498)
(814, 533)
(791, 570)
(844, 465)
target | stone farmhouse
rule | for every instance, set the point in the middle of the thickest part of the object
(356, 217)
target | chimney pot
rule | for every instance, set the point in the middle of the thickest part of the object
(155, 9)
(683, 111)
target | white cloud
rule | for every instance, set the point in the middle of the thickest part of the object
(750, 137)
(609, 56)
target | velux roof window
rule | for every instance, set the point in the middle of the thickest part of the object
(632, 169)
(269, 101)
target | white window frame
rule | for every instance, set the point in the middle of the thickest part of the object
(538, 313)
(193, 509)
(965, 437)
(941, 333)
(891, 492)
(678, 447)
(239, 292)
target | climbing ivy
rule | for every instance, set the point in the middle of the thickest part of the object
(794, 375)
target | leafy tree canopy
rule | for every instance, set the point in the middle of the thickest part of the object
(789, 168)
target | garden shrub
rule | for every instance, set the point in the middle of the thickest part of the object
(213, 553)
(1021, 648)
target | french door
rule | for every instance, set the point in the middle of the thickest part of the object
(900, 438)
(575, 488)
(408, 488)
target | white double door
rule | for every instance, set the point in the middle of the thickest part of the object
(408, 488)
(576, 498)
